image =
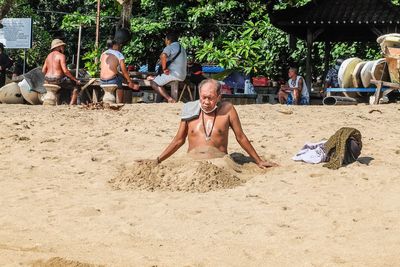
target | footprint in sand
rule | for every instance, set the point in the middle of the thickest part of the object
(315, 175)
(89, 212)
(58, 261)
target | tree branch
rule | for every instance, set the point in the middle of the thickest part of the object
(6, 7)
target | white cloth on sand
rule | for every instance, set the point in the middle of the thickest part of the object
(190, 111)
(312, 153)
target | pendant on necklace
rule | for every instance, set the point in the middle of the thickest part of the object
(208, 138)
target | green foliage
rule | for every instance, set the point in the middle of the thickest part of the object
(41, 36)
(232, 33)
(72, 21)
(235, 34)
(90, 62)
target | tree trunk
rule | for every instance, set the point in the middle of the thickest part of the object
(5, 8)
(126, 13)
(309, 59)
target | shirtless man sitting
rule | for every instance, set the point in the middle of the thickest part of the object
(208, 132)
(110, 60)
(55, 68)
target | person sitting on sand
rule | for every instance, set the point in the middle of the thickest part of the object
(55, 68)
(206, 122)
(173, 66)
(295, 92)
(110, 61)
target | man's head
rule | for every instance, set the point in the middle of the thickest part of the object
(292, 73)
(110, 43)
(210, 94)
(170, 38)
(338, 63)
(57, 45)
(113, 44)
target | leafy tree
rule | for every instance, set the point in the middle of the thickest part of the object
(235, 34)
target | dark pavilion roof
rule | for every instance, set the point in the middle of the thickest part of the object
(339, 20)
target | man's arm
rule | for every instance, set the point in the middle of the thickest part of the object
(66, 71)
(244, 141)
(125, 73)
(164, 60)
(297, 92)
(10, 62)
(176, 143)
(44, 69)
(300, 86)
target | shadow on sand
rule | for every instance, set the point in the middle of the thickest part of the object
(365, 160)
(241, 159)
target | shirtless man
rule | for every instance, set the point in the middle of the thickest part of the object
(110, 60)
(55, 68)
(209, 130)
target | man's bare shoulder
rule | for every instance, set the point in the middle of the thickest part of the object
(59, 55)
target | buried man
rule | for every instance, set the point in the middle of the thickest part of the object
(55, 68)
(206, 125)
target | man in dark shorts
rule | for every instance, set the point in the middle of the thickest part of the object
(110, 61)
(55, 68)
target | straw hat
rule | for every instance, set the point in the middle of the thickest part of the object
(56, 43)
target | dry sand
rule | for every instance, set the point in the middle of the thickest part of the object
(67, 197)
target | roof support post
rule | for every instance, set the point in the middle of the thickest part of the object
(327, 57)
(309, 58)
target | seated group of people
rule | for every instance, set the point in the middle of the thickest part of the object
(113, 70)
(172, 67)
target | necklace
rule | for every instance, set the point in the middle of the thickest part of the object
(208, 135)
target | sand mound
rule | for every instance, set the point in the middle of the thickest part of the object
(61, 262)
(179, 175)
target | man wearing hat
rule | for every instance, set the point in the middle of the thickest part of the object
(5, 63)
(55, 68)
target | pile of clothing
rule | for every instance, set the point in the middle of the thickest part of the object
(341, 149)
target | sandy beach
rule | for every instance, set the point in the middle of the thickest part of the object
(59, 204)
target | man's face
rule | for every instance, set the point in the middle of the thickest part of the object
(209, 97)
(291, 73)
(62, 49)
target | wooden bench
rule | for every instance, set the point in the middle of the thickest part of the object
(240, 99)
(329, 91)
(381, 87)
(385, 88)
(186, 86)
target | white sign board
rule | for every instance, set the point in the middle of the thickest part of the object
(16, 32)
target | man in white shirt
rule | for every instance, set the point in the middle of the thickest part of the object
(295, 92)
(173, 65)
(110, 60)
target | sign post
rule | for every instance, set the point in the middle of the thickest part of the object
(24, 66)
(17, 34)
